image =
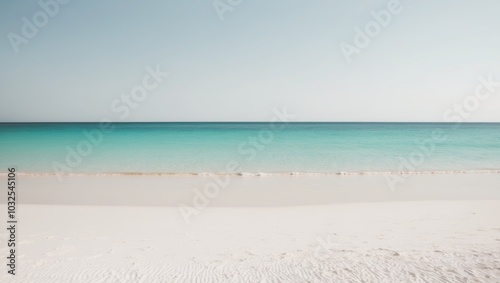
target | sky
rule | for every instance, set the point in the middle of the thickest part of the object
(243, 60)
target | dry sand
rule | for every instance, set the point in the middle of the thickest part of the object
(442, 228)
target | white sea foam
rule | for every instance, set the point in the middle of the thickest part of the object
(261, 174)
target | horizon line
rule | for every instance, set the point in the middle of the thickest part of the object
(295, 122)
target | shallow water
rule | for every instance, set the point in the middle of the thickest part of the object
(250, 148)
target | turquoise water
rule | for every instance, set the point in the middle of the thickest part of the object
(254, 147)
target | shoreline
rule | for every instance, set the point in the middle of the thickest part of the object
(259, 174)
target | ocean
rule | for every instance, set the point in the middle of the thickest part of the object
(250, 148)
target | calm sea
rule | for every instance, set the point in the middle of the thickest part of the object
(249, 147)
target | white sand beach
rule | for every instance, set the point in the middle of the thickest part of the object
(431, 228)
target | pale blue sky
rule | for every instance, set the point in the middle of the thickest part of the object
(265, 54)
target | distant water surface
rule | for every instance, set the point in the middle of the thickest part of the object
(253, 147)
